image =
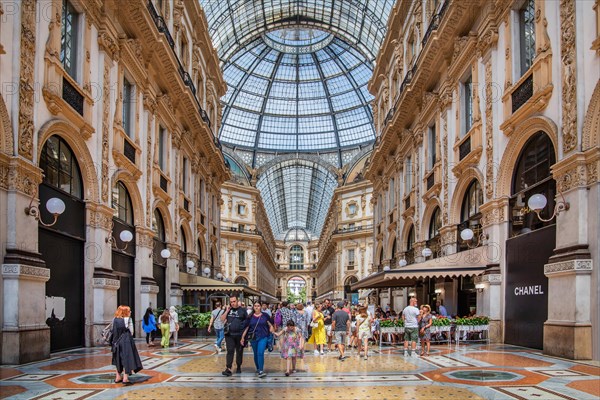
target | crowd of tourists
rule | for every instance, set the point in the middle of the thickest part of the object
(290, 327)
(287, 327)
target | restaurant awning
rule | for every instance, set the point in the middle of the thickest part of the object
(267, 297)
(324, 296)
(465, 263)
(194, 282)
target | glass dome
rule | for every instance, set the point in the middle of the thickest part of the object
(297, 89)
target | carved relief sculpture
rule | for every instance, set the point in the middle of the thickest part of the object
(569, 84)
(489, 133)
(26, 91)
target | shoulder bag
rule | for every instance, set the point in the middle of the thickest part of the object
(250, 336)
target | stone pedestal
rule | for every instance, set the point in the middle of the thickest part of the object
(105, 286)
(149, 290)
(489, 300)
(25, 335)
(568, 330)
(176, 295)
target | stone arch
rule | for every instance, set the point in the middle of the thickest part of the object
(203, 248)
(378, 252)
(351, 279)
(390, 244)
(72, 136)
(127, 179)
(591, 124)
(470, 174)
(519, 137)
(428, 213)
(189, 236)
(293, 156)
(408, 223)
(164, 210)
(6, 132)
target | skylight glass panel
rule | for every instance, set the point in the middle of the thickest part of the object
(321, 140)
(248, 102)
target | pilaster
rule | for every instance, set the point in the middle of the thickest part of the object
(489, 299)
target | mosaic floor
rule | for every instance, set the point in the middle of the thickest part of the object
(193, 370)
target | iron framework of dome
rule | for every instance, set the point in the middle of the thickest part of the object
(297, 73)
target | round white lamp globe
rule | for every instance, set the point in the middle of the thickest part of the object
(126, 236)
(386, 268)
(426, 252)
(402, 263)
(189, 264)
(55, 206)
(219, 276)
(206, 271)
(165, 253)
(466, 234)
(537, 202)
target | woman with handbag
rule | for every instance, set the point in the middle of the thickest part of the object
(125, 356)
(319, 336)
(257, 334)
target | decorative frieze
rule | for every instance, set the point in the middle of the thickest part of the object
(106, 283)
(105, 130)
(489, 132)
(26, 80)
(149, 289)
(567, 267)
(17, 174)
(492, 279)
(569, 75)
(25, 272)
(579, 170)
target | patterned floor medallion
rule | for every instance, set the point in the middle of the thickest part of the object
(192, 370)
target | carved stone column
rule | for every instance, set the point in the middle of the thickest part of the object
(148, 286)
(488, 300)
(98, 270)
(25, 336)
(172, 276)
(571, 279)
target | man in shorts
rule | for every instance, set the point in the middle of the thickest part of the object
(411, 327)
(328, 311)
(340, 326)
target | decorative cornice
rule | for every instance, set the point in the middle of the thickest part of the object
(25, 272)
(149, 289)
(106, 283)
(569, 267)
(492, 279)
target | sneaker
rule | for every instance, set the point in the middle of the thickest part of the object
(217, 348)
(405, 353)
(270, 348)
(238, 370)
(415, 355)
(317, 352)
(227, 372)
(262, 374)
(322, 353)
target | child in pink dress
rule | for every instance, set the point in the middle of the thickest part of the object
(292, 345)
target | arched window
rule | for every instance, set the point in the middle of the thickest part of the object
(240, 280)
(121, 202)
(532, 176)
(470, 216)
(183, 257)
(409, 254)
(60, 167)
(296, 257)
(158, 225)
(435, 224)
(393, 255)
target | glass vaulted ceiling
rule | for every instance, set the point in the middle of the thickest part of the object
(297, 74)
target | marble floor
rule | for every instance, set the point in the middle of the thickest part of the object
(192, 370)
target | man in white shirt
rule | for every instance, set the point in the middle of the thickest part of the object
(411, 327)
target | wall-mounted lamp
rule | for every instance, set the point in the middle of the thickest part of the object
(125, 237)
(402, 262)
(480, 287)
(164, 253)
(190, 265)
(386, 268)
(206, 271)
(228, 279)
(426, 252)
(538, 202)
(219, 276)
(467, 236)
(438, 291)
(55, 206)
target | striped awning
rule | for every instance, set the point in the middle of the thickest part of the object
(194, 282)
(466, 263)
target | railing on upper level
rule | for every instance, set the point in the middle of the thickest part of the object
(241, 230)
(161, 25)
(342, 229)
